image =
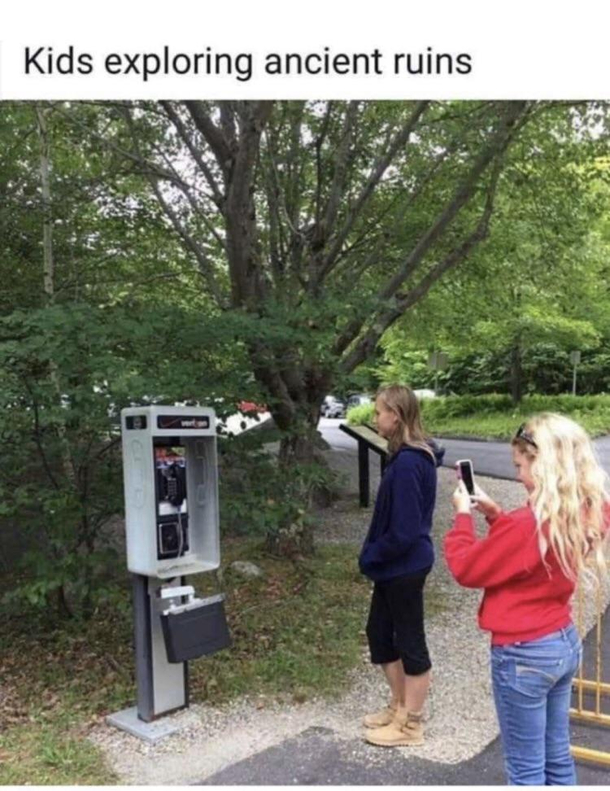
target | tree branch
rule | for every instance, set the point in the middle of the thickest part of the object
(402, 303)
(211, 134)
(340, 169)
(376, 251)
(240, 212)
(319, 142)
(497, 144)
(205, 265)
(377, 172)
(182, 131)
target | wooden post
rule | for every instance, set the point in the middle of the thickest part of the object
(363, 473)
(367, 439)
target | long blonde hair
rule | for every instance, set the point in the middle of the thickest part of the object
(401, 400)
(570, 490)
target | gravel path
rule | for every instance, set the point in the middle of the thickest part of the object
(460, 715)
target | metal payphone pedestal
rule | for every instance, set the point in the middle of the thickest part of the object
(162, 686)
(171, 522)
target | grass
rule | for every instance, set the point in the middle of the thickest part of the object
(42, 754)
(297, 632)
(495, 417)
(58, 681)
(503, 426)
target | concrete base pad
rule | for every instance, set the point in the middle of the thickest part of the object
(152, 732)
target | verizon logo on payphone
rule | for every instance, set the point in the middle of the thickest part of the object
(182, 421)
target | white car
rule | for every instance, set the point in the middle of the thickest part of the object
(358, 399)
(332, 407)
(425, 393)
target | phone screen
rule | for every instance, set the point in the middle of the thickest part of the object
(466, 474)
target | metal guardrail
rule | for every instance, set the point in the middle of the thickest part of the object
(591, 693)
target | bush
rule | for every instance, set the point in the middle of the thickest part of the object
(458, 406)
(495, 415)
(546, 368)
(260, 498)
(360, 415)
(68, 369)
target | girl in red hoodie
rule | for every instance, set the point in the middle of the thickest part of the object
(528, 565)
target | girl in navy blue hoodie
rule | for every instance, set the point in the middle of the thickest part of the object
(397, 555)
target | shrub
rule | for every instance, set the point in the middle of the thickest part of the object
(261, 498)
(68, 369)
(359, 415)
(461, 406)
(495, 415)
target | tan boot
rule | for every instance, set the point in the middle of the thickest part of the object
(404, 731)
(380, 718)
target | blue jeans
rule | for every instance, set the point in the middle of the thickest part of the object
(532, 683)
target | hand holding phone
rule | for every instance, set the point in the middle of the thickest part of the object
(482, 502)
(466, 474)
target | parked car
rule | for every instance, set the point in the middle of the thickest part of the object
(425, 393)
(332, 407)
(336, 409)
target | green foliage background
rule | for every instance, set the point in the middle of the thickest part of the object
(131, 318)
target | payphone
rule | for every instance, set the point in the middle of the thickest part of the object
(172, 531)
(171, 490)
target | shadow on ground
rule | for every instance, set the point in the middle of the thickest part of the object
(317, 756)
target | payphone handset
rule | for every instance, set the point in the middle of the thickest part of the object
(174, 489)
(172, 504)
(171, 490)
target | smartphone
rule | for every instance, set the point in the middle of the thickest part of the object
(466, 474)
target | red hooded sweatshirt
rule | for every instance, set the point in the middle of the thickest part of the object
(525, 597)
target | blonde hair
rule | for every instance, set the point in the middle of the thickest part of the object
(401, 400)
(570, 490)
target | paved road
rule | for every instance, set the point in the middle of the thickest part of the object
(494, 458)
(489, 458)
(317, 756)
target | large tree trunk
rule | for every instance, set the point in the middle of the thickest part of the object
(299, 456)
(295, 538)
(49, 291)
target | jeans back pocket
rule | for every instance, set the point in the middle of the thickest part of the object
(536, 678)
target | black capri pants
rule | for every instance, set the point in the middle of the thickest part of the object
(395, 628)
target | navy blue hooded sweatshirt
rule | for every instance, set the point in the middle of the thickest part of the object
(398, 541)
